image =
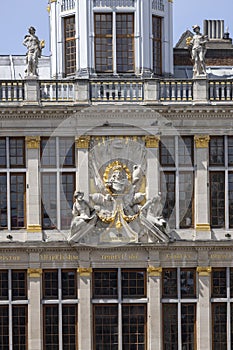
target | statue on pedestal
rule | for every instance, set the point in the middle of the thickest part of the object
(197, 44)
(34, 48)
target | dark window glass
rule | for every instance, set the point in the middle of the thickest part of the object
(219, 283)
(170, 327)
(216, 149)
(188, 283)
(4, 285)
(19, 323)
(69, 328)
(3, 200)
(2, 152)
(106, 327)
(49, 200)
(103, 43)
(231, 282)
(230, 151)
(17, 152)
(219, 311)
(17, 193)
(51, 328)
(185, 151)
(169, 283)
(50, 283)
(66, 152)
(168, 196)
(70, 45)
(125, 42)
(157, 44)
(217, 197)
(188, 321)
(19, 285)
(133, 284)
(186, 199)
(105, 284)
(69, 284)
(4, 327)
(230, 198)
(134, 327)
(66, 198)
(231, 326)
(167, 151)
(48, 152)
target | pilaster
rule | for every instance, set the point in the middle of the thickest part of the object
(82, 176)
(83, 38)
(152, 172)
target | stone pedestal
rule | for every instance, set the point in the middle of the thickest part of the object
(32, 89)
(151, 90)
(200, 89)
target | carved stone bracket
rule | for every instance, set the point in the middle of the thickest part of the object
(34, 273)
(82, 142)
(85, 271)
(33, 142)
(152, 141)
(202, 141)
(204, 270)
(154, 271)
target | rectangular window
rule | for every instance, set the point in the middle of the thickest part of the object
(127, 289)
(186, 183)
(18, 190)
(216, 150)
(17, 152)
(70, 45)
(19, 316)
(125, 42)
(103, 43)
(170, 326)
(2, 152)
(168, 190)
(219, 317)
(157, 44)
(167, 151)
(217, 198)
(3, 200)
(219, 283)
(49, 200)
(188, 317)
(51, 327)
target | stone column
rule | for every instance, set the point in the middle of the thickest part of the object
(84, 42)
(34, 309)
(82, 176)
(152, 172)
(204, 340)
(33, 188)
(201, 185)
(143, 38)
(154, 318)
(84, 308)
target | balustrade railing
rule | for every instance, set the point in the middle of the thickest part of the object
(113, 3)
(172, 90)
(221, 90)
(11, 91)
(67, 5)
(57, 91)
(127, 91)
(158, 5)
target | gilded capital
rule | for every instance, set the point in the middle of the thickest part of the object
(85, 271)
(33, 142)
(82, 142)
(36, 273)
(154, 271)
(202, 227)
(152, 141)
(34, 228)
(204, 270)
(202, 141)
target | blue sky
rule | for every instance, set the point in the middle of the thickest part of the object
(17, 15)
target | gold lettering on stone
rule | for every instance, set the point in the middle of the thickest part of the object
(177, 256)
(9, 258)
(59, 257)
(119, 257)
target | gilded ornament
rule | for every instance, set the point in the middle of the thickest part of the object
(154, 271)
(34, 228)
(204, 270)
(82, 142)
(33, 142)
(202, 227)
(201, 141)
(152, 141)
(34, 273)
(85, 271)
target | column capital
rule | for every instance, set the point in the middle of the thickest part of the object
(201, 141)
(34, 228)
(85, 271)
(32, 272)
(152, 141)
(204, 270)
(82, 142)
(202, 227)
(33, 142)
(154, 271)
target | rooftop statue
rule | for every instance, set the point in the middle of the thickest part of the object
(34, 48)
(197, 44)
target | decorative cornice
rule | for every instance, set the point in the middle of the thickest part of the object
(33, 142)
(204, 270)
(34, 228)
(202, 227)
(82, 142)
(85, 271)
(201, 141)
(152, 141)
(154, 271)
(34, 273)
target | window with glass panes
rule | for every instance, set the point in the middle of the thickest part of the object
(222, 308)
(13, 310)
(177, 180)
(12, 182)
(122, 42)
(157, 44)
(119, 309)
(57, 181)
(221, 181)
(179, 308)
(70, 45)
(60, 302)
